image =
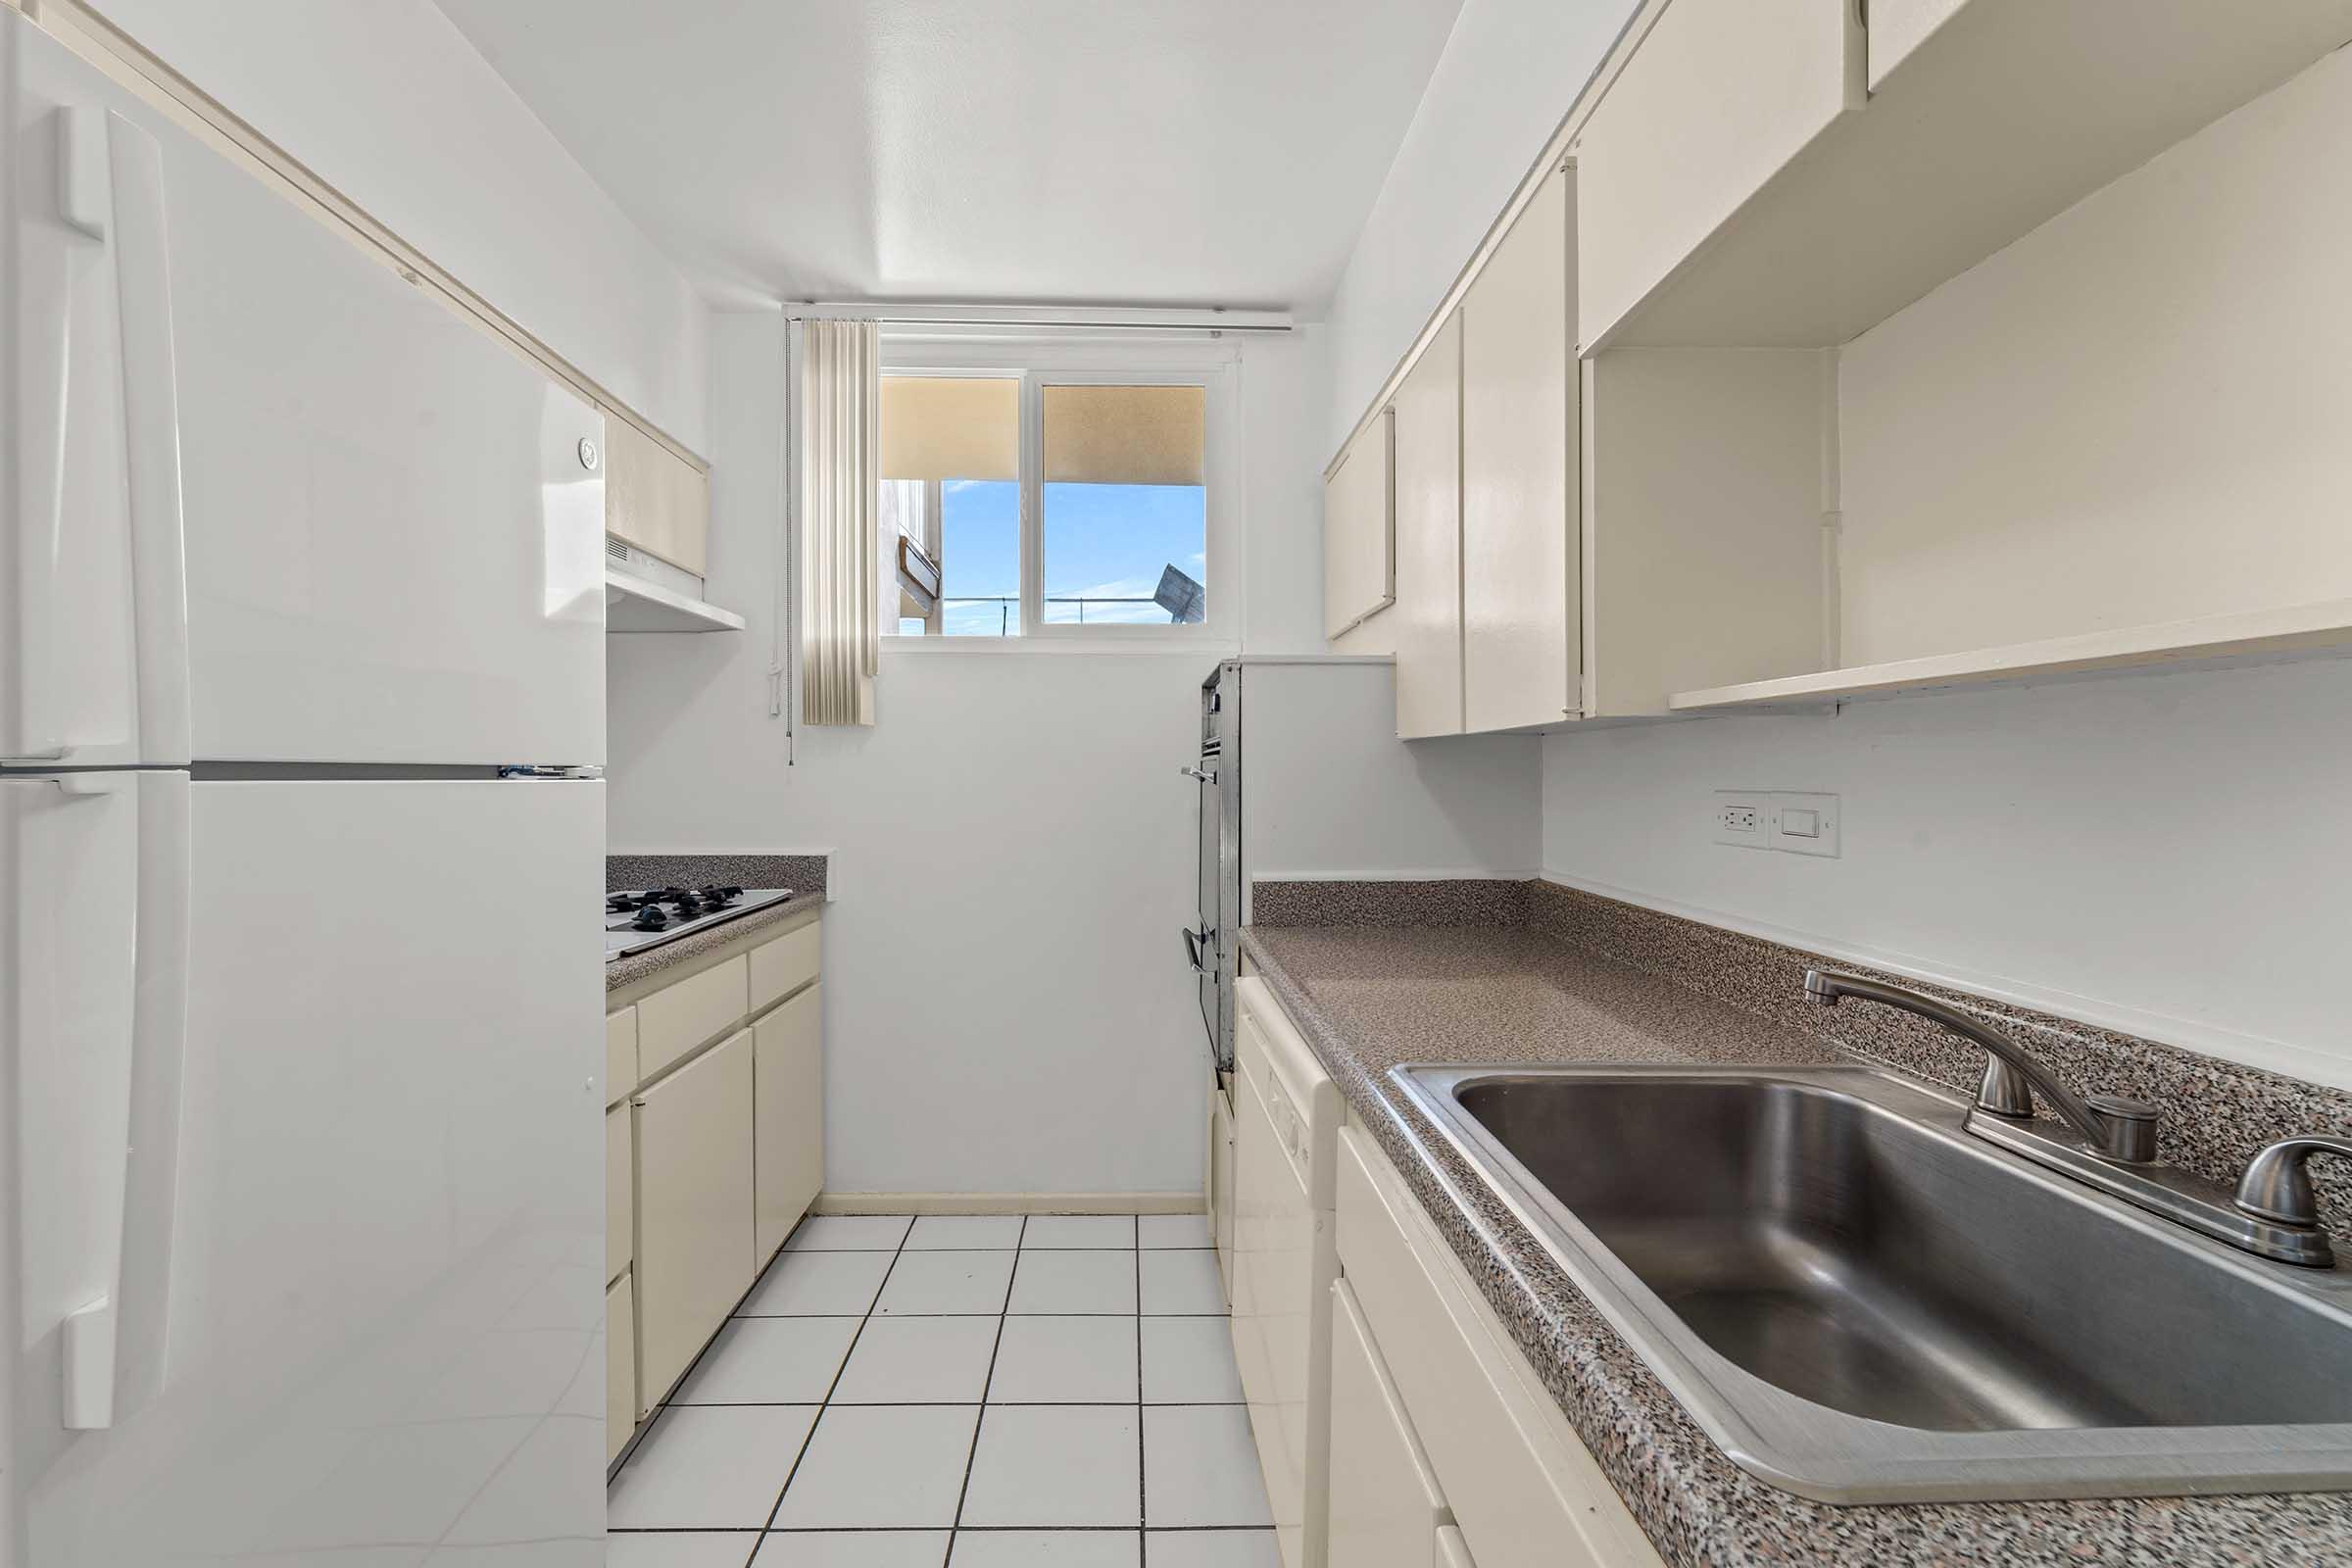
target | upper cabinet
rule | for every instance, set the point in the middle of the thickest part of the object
(1741, 190)
(1521, 653)
(1817, 361)
(655, 500)
(1360, 532)
(1425, 419)
(1721, 95)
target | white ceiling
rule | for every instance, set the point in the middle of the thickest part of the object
(1146, 152)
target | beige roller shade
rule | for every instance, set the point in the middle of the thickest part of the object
(951, 427)
(1125, 434)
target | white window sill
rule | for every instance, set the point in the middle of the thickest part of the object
(1191, 646)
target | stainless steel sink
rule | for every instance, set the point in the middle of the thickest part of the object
(1861, 1303)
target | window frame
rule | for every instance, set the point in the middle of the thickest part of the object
(1040, 363)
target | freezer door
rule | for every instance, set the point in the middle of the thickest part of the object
(93, 619)
(393, 523)
(386, 1287)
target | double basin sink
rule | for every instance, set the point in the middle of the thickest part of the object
(1860, 1302)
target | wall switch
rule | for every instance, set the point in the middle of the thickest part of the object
(1799, 822)
(1805, 824)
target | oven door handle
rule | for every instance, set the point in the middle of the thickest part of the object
(1196, 775)
(1193, 943)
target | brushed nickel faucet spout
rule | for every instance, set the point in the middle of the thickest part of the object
(2116, 1127)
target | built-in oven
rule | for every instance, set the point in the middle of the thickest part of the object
(1212, 943)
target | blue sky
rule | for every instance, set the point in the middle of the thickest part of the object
(1106, 540)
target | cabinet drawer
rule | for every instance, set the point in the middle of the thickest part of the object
(694, 1208)
(1719, 97)
(621, 1172)
(787, 1157)
(621, 1366)
(1385, 1501)
(784, 965)
(675, 1019)
(620, 1055)
(1522, 1489)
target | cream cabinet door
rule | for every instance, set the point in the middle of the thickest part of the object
(1427, 435)
(694, 1207)
(1522, 659)
(1360, 532)
(655, 499)
(789, 1093)
(1274, 1236)
(620, 1368)
(1719, 97)
(1386, 1507)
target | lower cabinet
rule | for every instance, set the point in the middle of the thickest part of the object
(1520, 1486)
(1220, 1182)
(694, 1208)
(621, 1366)
(1385, 1505)
(788, 1154)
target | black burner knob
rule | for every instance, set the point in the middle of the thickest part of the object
(650, 918)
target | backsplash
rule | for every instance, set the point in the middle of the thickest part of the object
(804, 874)
(2217, 1114)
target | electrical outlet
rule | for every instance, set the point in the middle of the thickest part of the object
(1790, 820)
(1743, 820)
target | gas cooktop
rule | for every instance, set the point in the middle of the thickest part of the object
(648, 917)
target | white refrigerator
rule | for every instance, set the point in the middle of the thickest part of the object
(301, 1137)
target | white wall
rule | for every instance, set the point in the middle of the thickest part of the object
(2167, 855)
(1012, 844)
(1510, 70)
(386, 101)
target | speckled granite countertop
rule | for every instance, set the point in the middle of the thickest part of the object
(620, 974)
(1369, 997)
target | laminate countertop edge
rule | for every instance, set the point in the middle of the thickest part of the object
(625, 977)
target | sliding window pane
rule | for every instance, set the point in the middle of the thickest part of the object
(951, 485)
(1124, 534)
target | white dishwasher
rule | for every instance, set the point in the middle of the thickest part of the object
(1286, 1131)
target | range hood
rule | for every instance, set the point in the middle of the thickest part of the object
(643, 594)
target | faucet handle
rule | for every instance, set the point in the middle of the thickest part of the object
(2275, 1187)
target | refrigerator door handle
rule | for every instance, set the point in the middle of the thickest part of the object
(150, 439)
(99, 1063)
(111, 195)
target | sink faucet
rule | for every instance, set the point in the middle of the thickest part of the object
(2116, 1128)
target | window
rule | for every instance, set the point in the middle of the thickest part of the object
(1074, 501)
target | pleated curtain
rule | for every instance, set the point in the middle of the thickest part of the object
(840, 471)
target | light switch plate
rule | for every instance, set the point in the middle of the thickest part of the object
(1797, 821)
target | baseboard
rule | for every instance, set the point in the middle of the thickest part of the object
(830, 1202)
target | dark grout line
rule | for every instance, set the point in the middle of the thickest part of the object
(809, 1439)
(971, 1455)
(1143, 1475)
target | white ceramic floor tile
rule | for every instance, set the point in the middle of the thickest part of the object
(1074, 1282)
(769, 1360)
(1189, 1361)
(1047, 1549)
(700, 1548)
(1053, 1465)
(946, 1283)
(709, 1467)
(919, 1360)
(1050, 1231)
(818, 1284)
(1173, 1230)
(1065, 1360)
(938, 1233)
(1182, 1282)
(852, 1548)
(1200, 1467)
(851, 1233)
(889, 1468)
(1215, 1548)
